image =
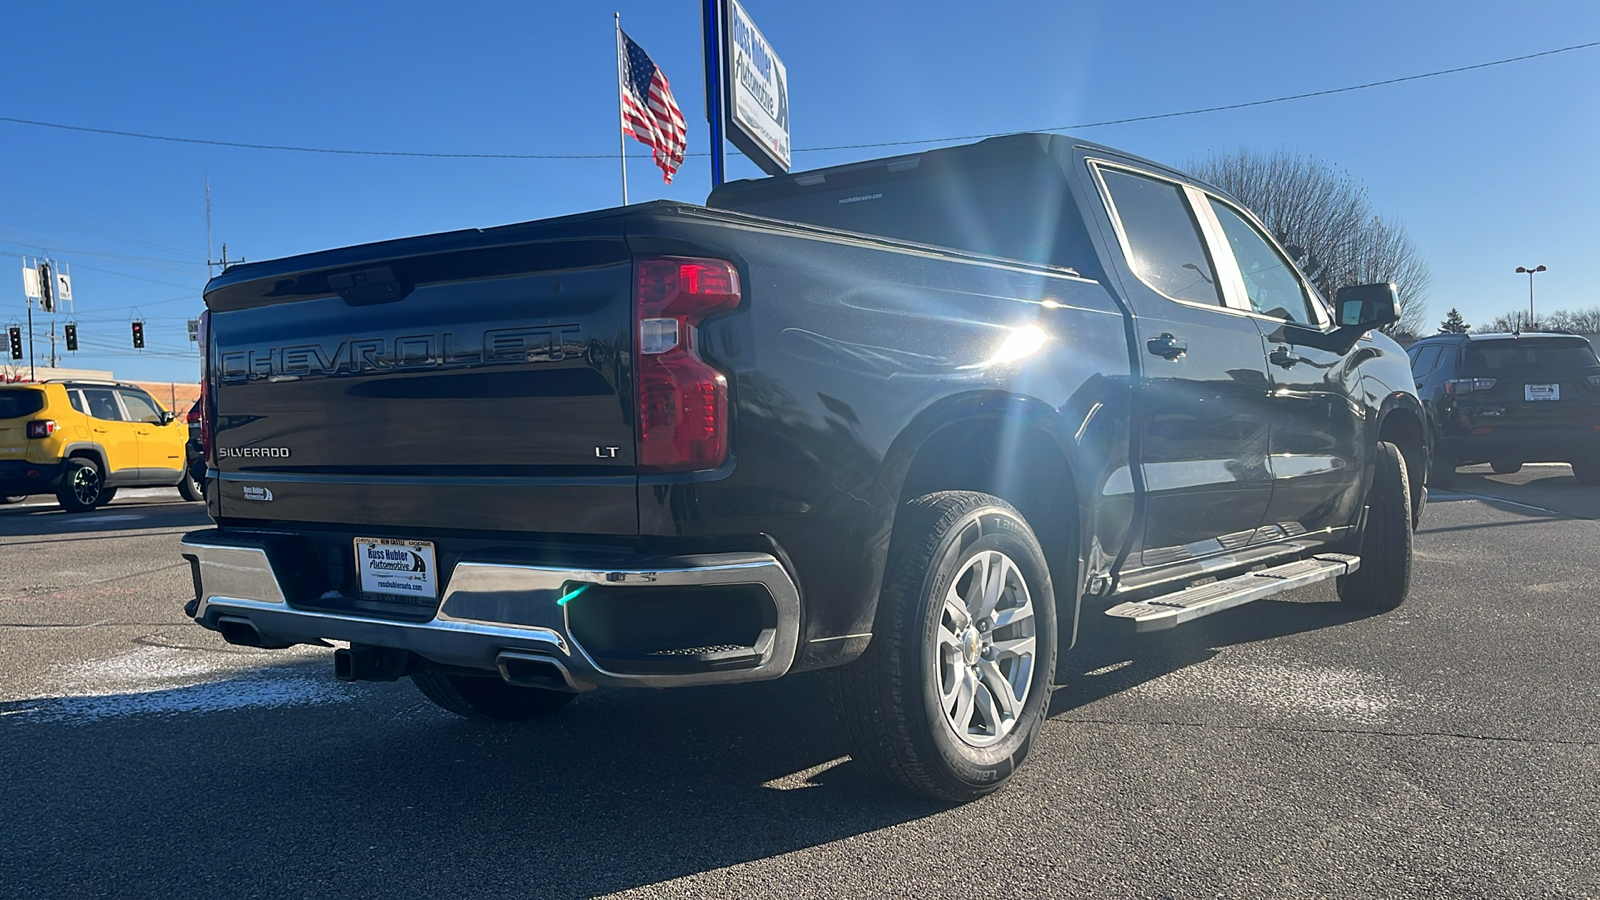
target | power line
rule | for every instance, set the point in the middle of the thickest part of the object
(1245, 105)
(77, 265)
(1123, 121)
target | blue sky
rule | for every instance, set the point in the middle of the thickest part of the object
(1488, 170)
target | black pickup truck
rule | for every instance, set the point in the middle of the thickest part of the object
(908, 420)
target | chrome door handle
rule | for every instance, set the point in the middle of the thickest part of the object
(1284, 357)
(1167, 347)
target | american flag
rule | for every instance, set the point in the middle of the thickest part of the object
(648, 111)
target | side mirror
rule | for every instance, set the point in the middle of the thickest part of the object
(168, 417)
(1367, 306)
(1361, 308)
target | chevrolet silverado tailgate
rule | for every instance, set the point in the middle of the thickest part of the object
(472, 380)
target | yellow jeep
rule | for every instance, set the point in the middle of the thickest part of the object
(81, 440)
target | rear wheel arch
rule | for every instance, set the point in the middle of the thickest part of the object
(89, 452)
(1009, 447)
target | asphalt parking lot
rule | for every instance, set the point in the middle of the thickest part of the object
(1289, 747)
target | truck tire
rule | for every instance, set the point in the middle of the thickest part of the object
(1384, 545)
(1587, 472)
(82, 486)
(487, 698)
(966, 623)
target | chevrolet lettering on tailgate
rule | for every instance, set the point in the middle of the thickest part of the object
(445, 350)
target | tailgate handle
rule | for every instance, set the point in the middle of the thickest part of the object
(369, 286)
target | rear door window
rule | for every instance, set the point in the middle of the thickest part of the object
(1426, 361)
(103, 404)
(1164, 244)
(15, 404)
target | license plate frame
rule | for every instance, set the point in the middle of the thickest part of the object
(397, 567)
(1541, 392)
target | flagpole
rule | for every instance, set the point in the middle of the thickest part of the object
(622, 136)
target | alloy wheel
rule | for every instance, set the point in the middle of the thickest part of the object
(86, 485)
(984, 649)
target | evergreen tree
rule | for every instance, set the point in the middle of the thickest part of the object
(1453, 323)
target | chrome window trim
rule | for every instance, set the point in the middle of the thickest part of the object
(1230, 277)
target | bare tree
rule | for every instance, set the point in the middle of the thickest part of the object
(1577, 321)
(1324, 218)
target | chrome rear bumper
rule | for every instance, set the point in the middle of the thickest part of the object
(490, 609)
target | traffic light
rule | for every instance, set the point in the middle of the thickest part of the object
(72, 337)
(47, 288)
(15, 334)
(138, 335)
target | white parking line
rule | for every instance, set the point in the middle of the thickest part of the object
(1493, 500)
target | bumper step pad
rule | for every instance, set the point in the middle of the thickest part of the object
(1159, 613)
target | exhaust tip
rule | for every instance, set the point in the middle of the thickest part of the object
(534, 670)
(239, 631)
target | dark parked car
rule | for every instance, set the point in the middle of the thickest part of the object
(1509, 399)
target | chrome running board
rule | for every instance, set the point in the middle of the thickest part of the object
(1169, 610)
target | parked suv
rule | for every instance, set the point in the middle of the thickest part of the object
(83, 440)
(1509, 399)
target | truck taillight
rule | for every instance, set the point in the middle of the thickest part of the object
(683, 400)
(208, 412)
(41, 428)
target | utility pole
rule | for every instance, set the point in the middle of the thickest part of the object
(52, 343)
(211, 264)
(223, 262)
(209, 273)
(32, 374)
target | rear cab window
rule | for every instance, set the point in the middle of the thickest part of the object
(1014, 205)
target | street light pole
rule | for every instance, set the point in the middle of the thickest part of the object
(1520, 270)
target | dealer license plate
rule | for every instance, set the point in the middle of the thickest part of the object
(1542, 391)
(398, 568)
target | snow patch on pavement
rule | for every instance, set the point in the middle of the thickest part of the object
(169, 680)
(1346, 695)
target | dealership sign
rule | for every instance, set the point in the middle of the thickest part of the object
(758, 93)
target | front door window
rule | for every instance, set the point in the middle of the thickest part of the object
(1270, 282)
